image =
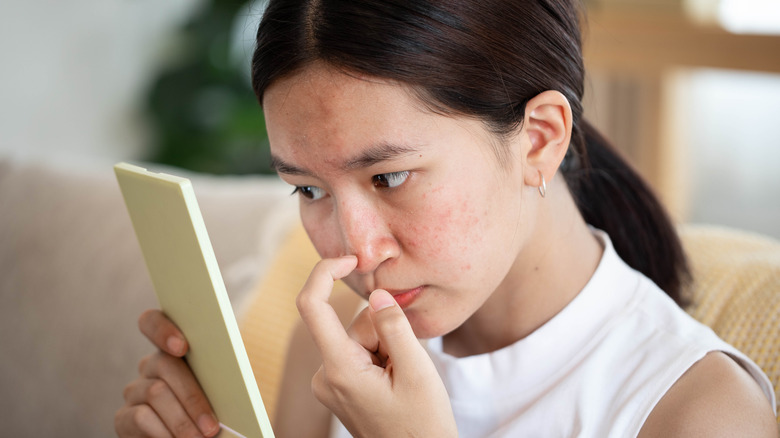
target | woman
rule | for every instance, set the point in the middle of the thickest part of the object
(445, 173)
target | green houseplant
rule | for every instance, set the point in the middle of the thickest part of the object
(202, 109)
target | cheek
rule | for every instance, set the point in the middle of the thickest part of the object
(324, 238)
(448, 233)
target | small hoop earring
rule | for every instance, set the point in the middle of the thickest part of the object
(543, 187)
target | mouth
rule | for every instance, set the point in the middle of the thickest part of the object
(406, 297)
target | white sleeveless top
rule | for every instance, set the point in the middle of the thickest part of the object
(596, 369)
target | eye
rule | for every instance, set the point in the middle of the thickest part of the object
(390, 180)
(309, 192)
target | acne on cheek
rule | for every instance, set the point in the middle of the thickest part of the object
(473, 235)
(448, 232)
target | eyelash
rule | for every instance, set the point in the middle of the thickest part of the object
(303, 190)
(383, 180)
(380, 181)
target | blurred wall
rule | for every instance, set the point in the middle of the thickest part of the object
(734, 143)
(73, 72)
(692, 105)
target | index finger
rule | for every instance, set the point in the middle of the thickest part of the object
(162, 332)
(318, 315)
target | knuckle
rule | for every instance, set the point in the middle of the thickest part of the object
(143, 364)
(163, 364)
(128, 390)
(337, 381)
(153, 365)
(299, 302)
(156, 389)
(194, 399)
(142, 414)
(318, 386)
(303, 303)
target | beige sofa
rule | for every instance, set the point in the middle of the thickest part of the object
(73, 282)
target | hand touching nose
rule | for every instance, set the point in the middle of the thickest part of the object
(377, 379)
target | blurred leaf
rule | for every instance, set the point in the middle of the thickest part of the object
(203, 111)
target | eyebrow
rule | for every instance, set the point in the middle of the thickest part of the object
(280, 166)
(368, 158)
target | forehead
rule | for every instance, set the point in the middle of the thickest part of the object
(321, 109)
(322, 91)
(321, 118)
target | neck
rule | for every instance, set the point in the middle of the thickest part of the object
(559, 258)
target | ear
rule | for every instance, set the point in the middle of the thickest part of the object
(547, 125)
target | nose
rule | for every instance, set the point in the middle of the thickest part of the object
(367, 234)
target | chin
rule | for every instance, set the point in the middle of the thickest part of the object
(425, 328)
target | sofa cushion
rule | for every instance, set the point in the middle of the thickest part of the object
(736, 291)
(73, 283)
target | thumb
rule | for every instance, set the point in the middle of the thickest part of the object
(393, 329)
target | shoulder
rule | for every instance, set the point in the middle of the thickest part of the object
(714, 398)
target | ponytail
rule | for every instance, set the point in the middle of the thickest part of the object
(612, 197)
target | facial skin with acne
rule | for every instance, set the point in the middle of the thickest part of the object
(446, 174)
(423, 202)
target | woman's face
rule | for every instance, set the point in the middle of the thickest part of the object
(419, 198)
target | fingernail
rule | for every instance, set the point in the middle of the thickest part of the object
(175, 345)
(381, 300)
(208, 424)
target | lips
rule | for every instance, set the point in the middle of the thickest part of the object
(406, 297)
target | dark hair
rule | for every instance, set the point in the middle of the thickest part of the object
(483, 59)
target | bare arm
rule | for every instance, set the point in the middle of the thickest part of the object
(714, 398)
(296, 400)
